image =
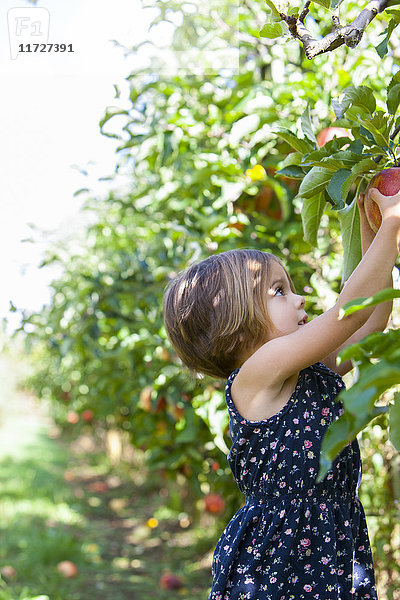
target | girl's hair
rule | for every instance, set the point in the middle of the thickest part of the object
(215, 312)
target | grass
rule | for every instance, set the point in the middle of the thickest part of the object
(62, 500)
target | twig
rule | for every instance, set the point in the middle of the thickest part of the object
(348, 34)
(305, 11)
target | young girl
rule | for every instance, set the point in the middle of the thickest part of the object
(236, 315)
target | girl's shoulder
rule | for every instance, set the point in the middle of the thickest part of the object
(272, 404)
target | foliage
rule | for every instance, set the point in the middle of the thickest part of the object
(336, 174)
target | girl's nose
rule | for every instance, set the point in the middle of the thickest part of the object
(302, 300)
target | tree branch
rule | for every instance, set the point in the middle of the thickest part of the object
(348, 34)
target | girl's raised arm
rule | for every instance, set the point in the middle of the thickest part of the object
(284, 356)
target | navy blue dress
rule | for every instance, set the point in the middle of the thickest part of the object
(294, 539)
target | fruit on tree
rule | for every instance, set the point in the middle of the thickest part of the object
(88, 415)
(145, 398)
(214, 503)
(72, 417)
(387, 182)
(328, 133)
(67, 568)
(169, 581)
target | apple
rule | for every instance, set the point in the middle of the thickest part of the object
(145, 398)
(161, 404)
(214, 503)
(327, 134)
(97, 486)
(8, 572)
(72, 417)
(387, 182)
(169, 581)
(67, 568)
(88, 415)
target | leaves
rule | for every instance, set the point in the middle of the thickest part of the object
(311, 213)
(301, 145)
(315, 182)
(361, 98)
(379, 125)
(274, 30)
(359, 303)
(335, 186)
(394, 422)
(359, 408)
(393, 99)
(306, 126)
(349, 218)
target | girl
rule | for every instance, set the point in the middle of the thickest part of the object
(236, 315)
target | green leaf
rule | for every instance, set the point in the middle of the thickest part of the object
(349, 219)
(379, 126)
(343, 432)
(393, 99)
(394, 422)
(311, 213)
(361, 97)
(334, 188)
(274, 10)
(274, 30)
(294, 158)
(315, 182)
(324, 3)
(382, 47)
(359, 303)
(366, 165)
(292, 171)
(302, 146)
(306, 126)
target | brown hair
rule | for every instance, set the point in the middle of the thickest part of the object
(215, 312)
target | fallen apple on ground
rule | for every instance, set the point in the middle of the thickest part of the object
(67, 568)
(169, 581)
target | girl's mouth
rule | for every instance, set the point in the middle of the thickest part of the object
(303, 321)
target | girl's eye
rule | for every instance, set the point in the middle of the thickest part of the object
(279, 290)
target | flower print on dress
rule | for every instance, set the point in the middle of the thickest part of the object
(294, 539)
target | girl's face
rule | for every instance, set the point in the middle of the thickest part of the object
(285, 308)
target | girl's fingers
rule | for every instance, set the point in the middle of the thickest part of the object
(360, 200)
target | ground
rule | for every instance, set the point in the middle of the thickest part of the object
(62, 499)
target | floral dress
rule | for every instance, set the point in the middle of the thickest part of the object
(294, 538)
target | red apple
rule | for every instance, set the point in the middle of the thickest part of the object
(88, 415)
(67, 568)
(327, 134)
(8, 572)
(214, 503)
(97, 486)
(169, 581)
(387, 182)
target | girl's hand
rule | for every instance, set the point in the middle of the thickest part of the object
(388, 205)
(367, 233)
